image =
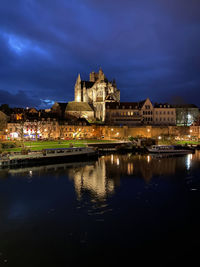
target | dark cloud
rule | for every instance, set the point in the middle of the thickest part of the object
(18, 99)
(151, 48)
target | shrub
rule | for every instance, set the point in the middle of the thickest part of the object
(25, 151)
(10, 144)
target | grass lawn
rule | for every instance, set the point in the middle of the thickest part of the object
(161, 142)
(39, 145)
(188, 142)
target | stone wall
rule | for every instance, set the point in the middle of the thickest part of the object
(115, 132)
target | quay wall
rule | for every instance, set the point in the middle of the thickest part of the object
(116, 132)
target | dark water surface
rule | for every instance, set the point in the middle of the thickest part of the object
(131, 209)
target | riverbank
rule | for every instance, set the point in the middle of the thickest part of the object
(47, 156)
(12, 146)
(102, 145)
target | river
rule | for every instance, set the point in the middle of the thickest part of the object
(120, 208)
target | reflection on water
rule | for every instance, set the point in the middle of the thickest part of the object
(188, 161)
(92, 178)
(101, 177)
(123, 206)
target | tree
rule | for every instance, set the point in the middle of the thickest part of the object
(19, 129)
(61, 130)
(3, 121)
(6, 109)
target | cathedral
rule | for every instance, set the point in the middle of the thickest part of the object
(96, 92)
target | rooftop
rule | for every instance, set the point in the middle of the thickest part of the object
(78, 106)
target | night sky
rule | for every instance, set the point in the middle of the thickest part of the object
(151, 48)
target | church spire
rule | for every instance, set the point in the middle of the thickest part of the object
(78, 79)
(100, 70)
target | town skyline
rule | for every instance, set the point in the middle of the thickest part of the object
(149, 47)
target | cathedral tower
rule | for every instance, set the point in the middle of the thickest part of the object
(85, 95)
(96, 92)
(77, 90)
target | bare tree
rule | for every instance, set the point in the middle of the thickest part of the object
(19, 129)
(61, 130)
(42, 128)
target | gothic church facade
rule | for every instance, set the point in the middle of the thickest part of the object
(96, 92)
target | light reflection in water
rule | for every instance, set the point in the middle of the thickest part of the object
(112, 159)
(130, 168)
(137, 213)
(92, 178)
(100, 178)
(188, 161)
